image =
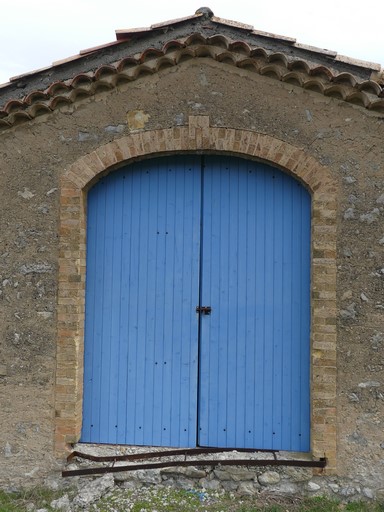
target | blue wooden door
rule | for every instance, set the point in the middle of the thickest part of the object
(170, 234)
(255, 272)
(140, 371)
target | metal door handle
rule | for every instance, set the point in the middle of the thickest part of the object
(206, 310)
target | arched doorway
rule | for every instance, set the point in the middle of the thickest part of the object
(167, 236)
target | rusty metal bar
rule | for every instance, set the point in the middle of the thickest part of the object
(321, 463)
(163, 453)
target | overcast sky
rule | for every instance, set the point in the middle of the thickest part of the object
(35, 33)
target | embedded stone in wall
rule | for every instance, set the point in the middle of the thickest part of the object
(137, 119)
(370, 216)
(269, 478)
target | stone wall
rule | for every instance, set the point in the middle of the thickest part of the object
(38, 314)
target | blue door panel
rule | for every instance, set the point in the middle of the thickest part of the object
(166, 235)
(253, 218)
(140, 382)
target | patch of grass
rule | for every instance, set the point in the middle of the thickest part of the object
(40, 497)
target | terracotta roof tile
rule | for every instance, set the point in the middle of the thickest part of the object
(278, 37)
(175, 21)
(315, 49)
(230, 23)
(356, 62)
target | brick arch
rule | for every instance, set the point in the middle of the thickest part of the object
(197, 136)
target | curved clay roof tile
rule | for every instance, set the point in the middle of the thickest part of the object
(358, 98)
(35, 96)
(39, 109)
(371, 87)
(81, 80)
(294, 78)
(104, 71)
(205, 51)
(218, 40)
(150, 53)
(278, 58)
(321, 72)
(185, 54)
(299, 66)
(240, 47)
(19, 117)
(60, 101)
(57, 88)
(226, 57)
(250, 64)
(313, 85)
(195, 38)
(345, 78)
(14, 106)
(172, 45)
(165, 62)
(335, 91)
(259, 52)
(127, 63)
(377, 106)
(272, 71)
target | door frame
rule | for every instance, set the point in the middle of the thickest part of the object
(199, 137)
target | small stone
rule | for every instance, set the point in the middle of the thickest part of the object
(247, 489)
(334, 487)
(348, 491)
(381, 241)
(369, 384)
(26, 194)
(349, 312)
(380, 199)
(61, 504)
(8, 450)
(347, 295)
(84, 136)
(212, 485)
(45, 314)
(285, 488)
(269, 478)
(353, 397)
(364, 298)
(35, 268)
(229, 485)
(93, 491)
(308, 115)
(368, 493)
(137, 119)
(190, 472)
(313, 487)
(357, 438)
(349, 180)
(298, 474)
(114, 129)
(371, 216)
(349, 213)
(51, 191)
(3, 370)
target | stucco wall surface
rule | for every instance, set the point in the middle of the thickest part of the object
(35, 155)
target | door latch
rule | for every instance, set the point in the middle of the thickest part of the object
(205, 310)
